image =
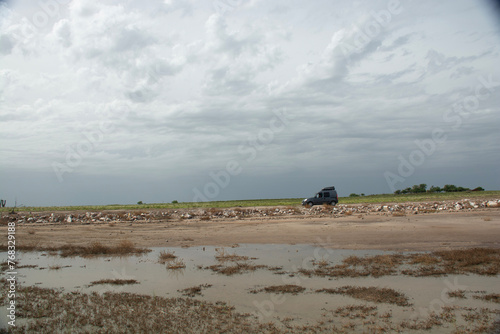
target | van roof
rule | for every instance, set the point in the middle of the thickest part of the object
(328, 188)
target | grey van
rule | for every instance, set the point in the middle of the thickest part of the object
(326, 195)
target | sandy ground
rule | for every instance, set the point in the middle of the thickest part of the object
(431, 231)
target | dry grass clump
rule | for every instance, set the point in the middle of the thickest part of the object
(224, 256)
(371, 294)
(115, 282)
(321, 263)
(56, 267)
(457, 294)
(29, 266)
(165, 256)
(237, 268)
(356, 311)
(124, 247)
(492, 297)
(195, 290)
(176, 264)
(288, 288)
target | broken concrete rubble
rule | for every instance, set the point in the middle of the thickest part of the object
(207, 214)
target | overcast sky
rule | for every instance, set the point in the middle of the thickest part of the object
(124, 101)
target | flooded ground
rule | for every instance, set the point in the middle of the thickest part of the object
(258, 280)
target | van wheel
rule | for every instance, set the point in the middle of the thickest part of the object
(332, 203)
(310, 204)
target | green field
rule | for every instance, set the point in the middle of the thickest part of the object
(383, 198)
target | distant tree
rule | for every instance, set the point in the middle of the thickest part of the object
(2, 203)
(418, 188)
(462, 189)
(397, 192)
(362, 194)
(140, 203)
(353, 195)
(478, 189)
(449, 188)
(434, 189)
(174, 202)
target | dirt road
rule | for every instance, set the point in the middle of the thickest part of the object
(429, 231)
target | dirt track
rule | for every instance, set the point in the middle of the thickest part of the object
(429, 231)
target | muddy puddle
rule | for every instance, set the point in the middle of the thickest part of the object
(257, 267)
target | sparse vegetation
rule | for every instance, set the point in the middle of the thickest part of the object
(165, 256)
(492, 297)
(288, 288)
(50, 311)
(356, 311)
(236, 268)
(176, 264)
(457, 294)
(123, 248)
(57, 267)
(480, 261)
(115, 282)
(222, 255)
(371, 294)
(195, 290)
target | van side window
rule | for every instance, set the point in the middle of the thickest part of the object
(327, 194)
(320, 195)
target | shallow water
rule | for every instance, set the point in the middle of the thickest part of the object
(427, 294)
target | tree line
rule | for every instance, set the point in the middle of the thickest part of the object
(422, 188)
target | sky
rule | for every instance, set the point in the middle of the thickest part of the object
(115, 102)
